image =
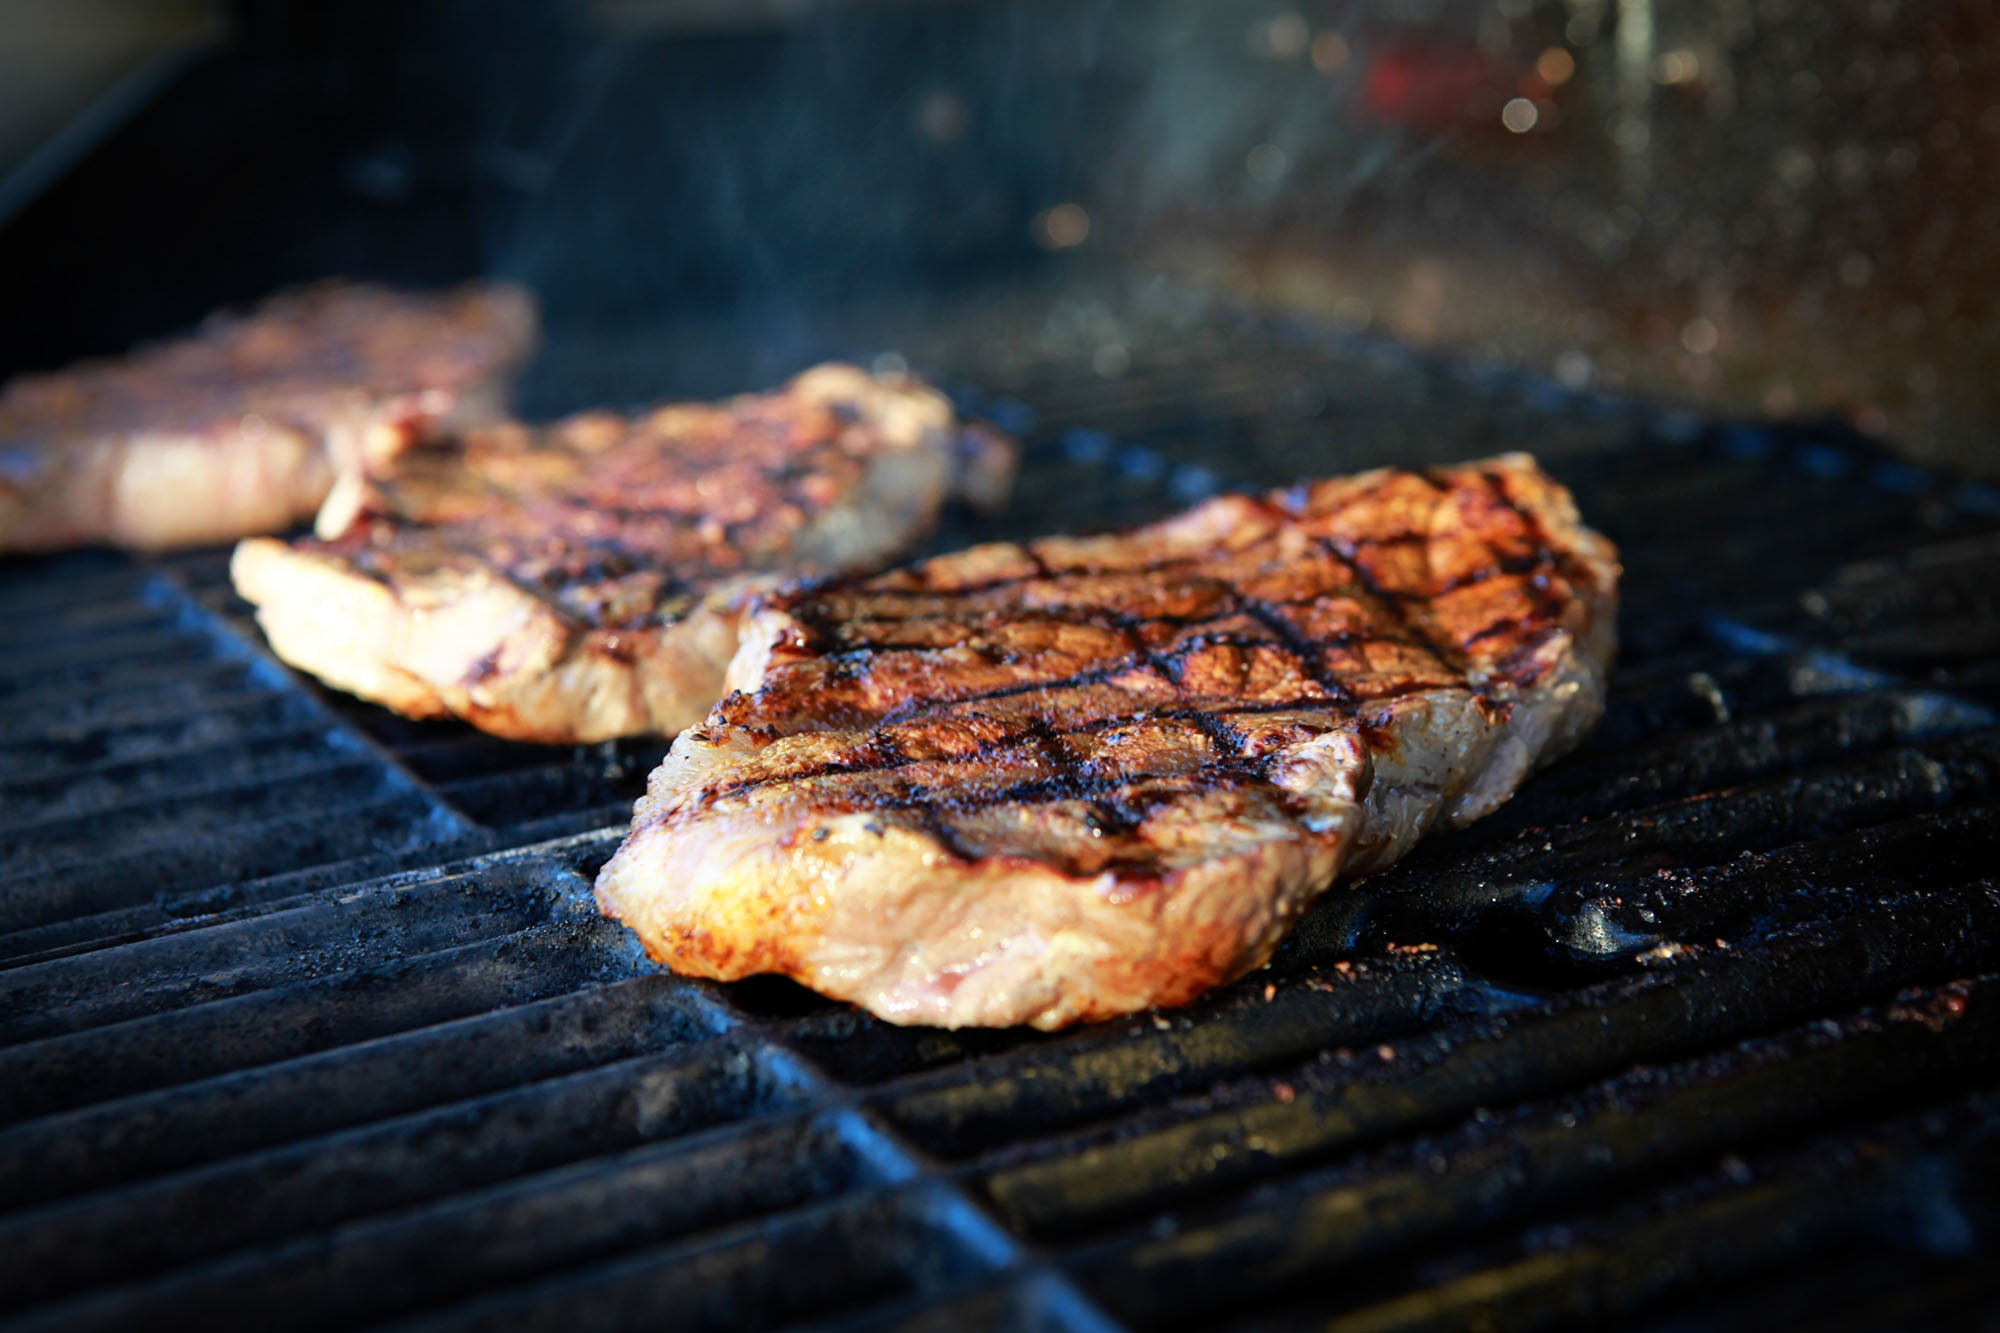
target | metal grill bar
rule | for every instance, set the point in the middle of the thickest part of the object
(148, 1134)
(1741, 1219)
(1810, 734)
(144, 695)
(210, 906)
(99, 662)
(1857, 1281)
(73, 784)
(1849, 872)
(866, 1248)
(1697, 690)
(67, 828)
(1408, 1085)
(1036, 1303)
(1505, 1166)
(570, 1216)
(266, 1080)
(286, 1191)
(975, 1107)
(1818, 803)
(106, 634)
(144, 733)
(72, 880)
(396, 994)
(311, 941)
(69, 591)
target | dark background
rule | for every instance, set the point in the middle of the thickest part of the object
(1762, 208)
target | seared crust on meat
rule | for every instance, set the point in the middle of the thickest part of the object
(242, 426)
(1065, 780)
(583, 581)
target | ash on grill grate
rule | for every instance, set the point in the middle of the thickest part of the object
(304, 1008)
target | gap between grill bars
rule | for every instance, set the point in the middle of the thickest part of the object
(1708, 1003)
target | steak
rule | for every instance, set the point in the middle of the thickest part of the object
(584, 580)
(1077, 777)
(242, 426)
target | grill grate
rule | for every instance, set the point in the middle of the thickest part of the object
(306, 1009)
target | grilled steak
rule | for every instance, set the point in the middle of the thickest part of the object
(583, 581)
(1074, 778)
(242, 426)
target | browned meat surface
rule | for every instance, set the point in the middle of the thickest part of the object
(242, 426)
(583, 581)
(1070, 779)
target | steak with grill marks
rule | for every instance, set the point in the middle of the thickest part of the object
(242, 427)
(1077, 777)
(583, 581)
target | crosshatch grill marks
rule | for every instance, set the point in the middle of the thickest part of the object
(1047, 785)
(1044, 738)
(1413, 625)
(1073, 1155)
(1037, 731)
(827, 630)
(570, 555)
(583, 581)
(837, 623)
(834, 639)
(557, 574)
(823, 626)
(1212, 721)
(888, 755)
(1306, 654)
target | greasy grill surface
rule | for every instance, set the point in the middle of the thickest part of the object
(158, 764)
(308, 1018)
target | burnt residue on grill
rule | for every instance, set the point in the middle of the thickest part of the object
(306, 1015)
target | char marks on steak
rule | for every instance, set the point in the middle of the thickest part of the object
(583, 581)
(1077, 777)
(242, 426)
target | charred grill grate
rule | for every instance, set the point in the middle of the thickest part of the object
(308, 1017)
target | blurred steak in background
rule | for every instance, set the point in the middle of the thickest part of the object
(241, 426)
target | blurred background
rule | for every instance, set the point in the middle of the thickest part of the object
(1755, 208)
